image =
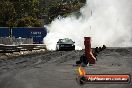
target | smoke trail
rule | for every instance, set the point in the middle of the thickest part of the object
(106, 21)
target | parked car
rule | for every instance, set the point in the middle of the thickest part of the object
(65, 44)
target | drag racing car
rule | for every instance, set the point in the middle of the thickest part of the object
(65, 44)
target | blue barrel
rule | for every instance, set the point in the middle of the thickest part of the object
(22, 32)
(4, 32)
(38, 34)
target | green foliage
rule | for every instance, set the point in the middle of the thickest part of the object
(82, 1)
(7, 12)
(28, 22)
(63, 9)
(26, 13)
(26, 8)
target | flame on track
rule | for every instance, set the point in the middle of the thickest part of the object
(81, 71)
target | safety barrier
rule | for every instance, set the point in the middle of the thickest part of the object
(15, 41)
(21, 47)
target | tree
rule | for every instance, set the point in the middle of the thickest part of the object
(26, 8)
(7, 12)
(12, 11)
(28, 22)
(15, 12)
(63, 9)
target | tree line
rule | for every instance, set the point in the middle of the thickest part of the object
(26, 13)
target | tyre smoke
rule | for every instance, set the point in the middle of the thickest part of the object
(106, 21)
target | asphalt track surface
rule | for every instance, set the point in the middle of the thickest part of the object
(54, 69)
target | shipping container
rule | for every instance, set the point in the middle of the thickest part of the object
(22, 32)
(38, 34)
(4, 32)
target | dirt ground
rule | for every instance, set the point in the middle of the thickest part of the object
(54, 69)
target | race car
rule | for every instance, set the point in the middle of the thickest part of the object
(65, 44)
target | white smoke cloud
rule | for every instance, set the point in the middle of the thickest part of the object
(106, 21)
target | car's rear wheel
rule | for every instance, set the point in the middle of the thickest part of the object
(73, 48)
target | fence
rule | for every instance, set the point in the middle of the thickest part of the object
(15, 41)
(12, 44)
(22, 47)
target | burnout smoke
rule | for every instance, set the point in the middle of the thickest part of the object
(106, 21)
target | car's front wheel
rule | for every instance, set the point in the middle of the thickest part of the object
(57, 47)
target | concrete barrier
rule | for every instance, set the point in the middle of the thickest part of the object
(15, 41)
(21, 47)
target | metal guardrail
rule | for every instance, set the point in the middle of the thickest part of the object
(21, 47)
